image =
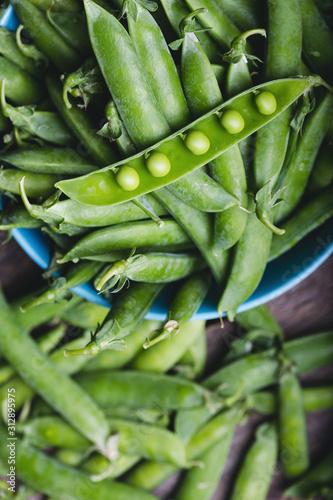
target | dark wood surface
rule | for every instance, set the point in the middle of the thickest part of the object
(307, 308)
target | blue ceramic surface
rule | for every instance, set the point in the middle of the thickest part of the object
(280, 275)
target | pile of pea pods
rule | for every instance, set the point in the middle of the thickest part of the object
(119, 424)
(176, 141)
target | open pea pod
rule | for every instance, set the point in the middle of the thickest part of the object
(180, 151)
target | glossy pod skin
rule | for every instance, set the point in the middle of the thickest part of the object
(138, 234)
(36, 185)
(106, 31)
(292, 426)
(45, 37)
(81, 126)
(48, 161)
(21, 87)
(143, 390)
(307, 218)
(20, 349)
(80, 214)
(51, 477)
(254, 478)
(181, 159)
(159, 67)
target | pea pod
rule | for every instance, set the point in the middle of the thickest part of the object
(20, 349)
(307, 218)
(45, 37)
(48, 160)
(193, 362)
(80, 214)
(315, 482)
(322, 172)
(159, 67)
(258, 317)
(254, 478)
(246, 14)
(143, 390)
(140, 234)
(14, 217)
(292, 426)
(22, 88)
(58, 5)
(71, 26)
(162, 358)
(127, 312)
(36, 185)
(182, 160)
(187, 301)
(149, 268)
(295, 175)
(52, 478)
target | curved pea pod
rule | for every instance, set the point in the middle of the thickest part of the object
(187, 301)
(102, 188)
(14, 217)
(159, 67)
(45, 37)
(161, 358)
(222, 29)
(53, 478)
(254, 478)
(70, 399)
(139, 234)
(143, 390)
(10, 50)
(292, 426)
(71, 26)
(36, 185)
(22, 88)
(111, 360)
(176, 11)
(80, 125)
(199, 226)
(84, 215)
(125, 86)
(48, 160)
(315, 482)
(295, 175)
(249, 263)
(149, 268)
(127, 311)
(307, 218)
(317, 39)
(259, 317)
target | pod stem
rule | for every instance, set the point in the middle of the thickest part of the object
(170, 329)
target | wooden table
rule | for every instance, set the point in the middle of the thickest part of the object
(307, 308)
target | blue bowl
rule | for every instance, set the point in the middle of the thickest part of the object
(280, 275)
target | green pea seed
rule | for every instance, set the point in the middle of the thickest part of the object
(197, 142)
(266, 103)
(232, 121)
(158, 164)
(128, 178)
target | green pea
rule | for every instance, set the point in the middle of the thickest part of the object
(158, 164)
(128, 178)
(266, 103)
(232, 121)
(197, 142)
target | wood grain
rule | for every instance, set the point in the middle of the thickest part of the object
(305, 309)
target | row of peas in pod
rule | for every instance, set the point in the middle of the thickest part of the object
(196, 148)
(119, 424)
